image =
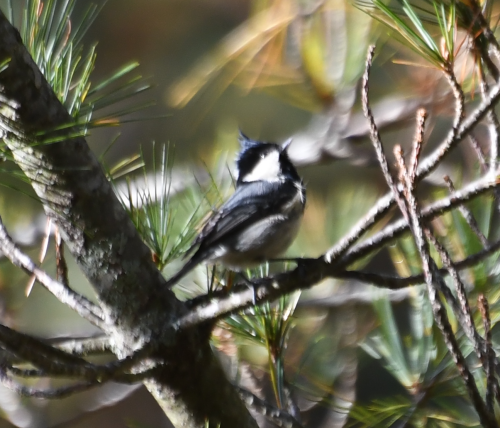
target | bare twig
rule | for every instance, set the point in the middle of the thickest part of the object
(62, 267)
(468, 322)
(374, 134)
(75, 346)
(435, 209)
(440, 315)
(485, 39)
(469, 218)
(411, 213)
(309, 272)
(55, 362)
(479, 152)
(494, 124)
(464, 313)
(27, 391)
(459, 127)
(492, 388)
(125, 378)
(372, 216)
(408, 183)
(38, 353)
(97, 345)
(84, 307)
(417, 143)
(426, 166)
(396, 283)
(407, 180)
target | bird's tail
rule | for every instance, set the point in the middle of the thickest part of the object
(190, 265)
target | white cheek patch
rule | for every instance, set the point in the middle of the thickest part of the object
(267, 169)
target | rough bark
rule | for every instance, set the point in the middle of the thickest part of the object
(190, 385)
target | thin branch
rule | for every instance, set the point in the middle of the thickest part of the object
(489, 363)
(426, 166)
(408, 183)
(438, 308)
(374, 134)
(75, 346)
(384, 203)
(479, 152)
(309, 273)
(84, 307)
(396, 282)
(51, 393)
(456, 135)
(484, 40)
(433, 210)
(467, 321)
(411, 213)
(56, 362)
(494, 124)
(38, 353)
(61, 266)
(417, 143)
(463, 311)
(124, 378)
(375, 213)
(85, 346)
(469, 218)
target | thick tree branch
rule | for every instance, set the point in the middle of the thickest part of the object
(77, 196)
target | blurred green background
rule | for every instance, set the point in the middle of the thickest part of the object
(275, 69)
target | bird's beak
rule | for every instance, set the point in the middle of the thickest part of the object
(286, 144)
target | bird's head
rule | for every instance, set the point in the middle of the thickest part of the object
(258, 161)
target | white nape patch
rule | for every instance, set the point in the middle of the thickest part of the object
(267, 169)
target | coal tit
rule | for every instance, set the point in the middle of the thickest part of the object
(260, 220)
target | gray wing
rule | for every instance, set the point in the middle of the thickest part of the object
(250, 203)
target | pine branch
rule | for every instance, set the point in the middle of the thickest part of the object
(76, 194)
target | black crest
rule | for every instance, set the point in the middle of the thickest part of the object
(251, 153)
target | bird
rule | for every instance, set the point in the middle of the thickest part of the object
(261, 218)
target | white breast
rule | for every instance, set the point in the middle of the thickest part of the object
(266, 239)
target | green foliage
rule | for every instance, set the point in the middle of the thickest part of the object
(414, 23)
(268, 325)
(420, 362)
(55, 41)
(154, 208)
